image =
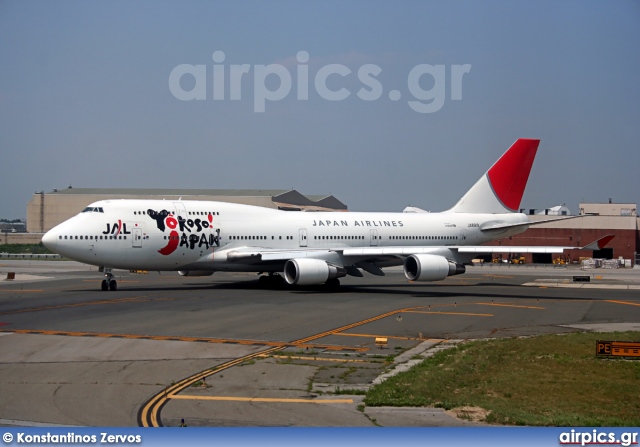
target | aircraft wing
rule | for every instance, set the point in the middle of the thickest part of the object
(372, 258)
(500, 226)
(257, 255)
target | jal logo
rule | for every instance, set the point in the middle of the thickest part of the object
(189, 233)
(116, 228)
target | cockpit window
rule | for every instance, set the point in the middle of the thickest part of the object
(93, 209)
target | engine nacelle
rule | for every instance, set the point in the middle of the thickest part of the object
(305, 272)
(195, 272)
(430, 268)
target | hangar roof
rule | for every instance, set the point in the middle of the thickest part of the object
(291, 196)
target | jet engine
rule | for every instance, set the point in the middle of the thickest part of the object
(195, 272)
(306, 272)
(430, 268)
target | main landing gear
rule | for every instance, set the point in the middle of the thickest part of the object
(272, 281)
(109, 283)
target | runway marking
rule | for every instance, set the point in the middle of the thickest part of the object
(185, 339)
(511, 305)
(262, 399)
(149, 414)
(468, 314)
(623, 302)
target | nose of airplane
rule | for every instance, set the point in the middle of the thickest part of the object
(50, 240)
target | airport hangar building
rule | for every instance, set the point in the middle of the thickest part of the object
(46, 210)
(598, 220)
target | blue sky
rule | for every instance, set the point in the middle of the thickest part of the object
(85, 98)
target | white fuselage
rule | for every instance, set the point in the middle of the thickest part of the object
(193, 235)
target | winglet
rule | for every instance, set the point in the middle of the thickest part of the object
(599, 244)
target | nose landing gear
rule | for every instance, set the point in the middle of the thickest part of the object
(109, 283)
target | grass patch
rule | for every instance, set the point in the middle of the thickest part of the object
(25, 248)
(349, 391)
(551, 380)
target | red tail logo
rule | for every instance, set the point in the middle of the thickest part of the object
(509, 175)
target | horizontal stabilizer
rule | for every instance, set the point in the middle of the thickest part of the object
(599, 244)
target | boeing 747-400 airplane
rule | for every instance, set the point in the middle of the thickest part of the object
(198, 238)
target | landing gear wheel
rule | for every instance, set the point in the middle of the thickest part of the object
(108, 283)
(271, 281)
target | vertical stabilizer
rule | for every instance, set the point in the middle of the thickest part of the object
(501, 188)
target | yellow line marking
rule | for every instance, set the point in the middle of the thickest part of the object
(623, 302)
(136, 299)
(498, 276)
(149, 415)
(511, 305)
(347, 334)
(262, 399)
(448, 313)
(150, 412)
(185, 339)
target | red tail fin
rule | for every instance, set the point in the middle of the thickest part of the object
(500, 190)
(509, 175)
